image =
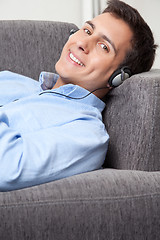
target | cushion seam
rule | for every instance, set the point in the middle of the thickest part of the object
(77, 200)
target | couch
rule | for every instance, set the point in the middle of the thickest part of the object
(120, 201)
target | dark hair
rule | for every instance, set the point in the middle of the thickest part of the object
(141, 57)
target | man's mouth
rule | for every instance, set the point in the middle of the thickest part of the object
(76, 60)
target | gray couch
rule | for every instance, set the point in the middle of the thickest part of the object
(120, 202)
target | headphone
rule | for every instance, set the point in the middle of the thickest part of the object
(119, 76)
(116, 79)
(72, 31)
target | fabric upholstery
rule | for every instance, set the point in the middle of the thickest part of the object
(104, 204)
(107, 204)
(30, 47)
(132, 119)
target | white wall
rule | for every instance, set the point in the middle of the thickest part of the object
(58, 10)
(76, 11)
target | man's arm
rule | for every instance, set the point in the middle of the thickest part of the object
(46, 155)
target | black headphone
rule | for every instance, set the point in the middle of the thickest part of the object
(119, 76)
(72, 31)
(116, 79)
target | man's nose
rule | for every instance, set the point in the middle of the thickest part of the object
(84, 45)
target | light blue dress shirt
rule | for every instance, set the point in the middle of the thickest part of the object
(45, 137)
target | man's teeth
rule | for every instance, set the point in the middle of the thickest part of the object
(75, 59)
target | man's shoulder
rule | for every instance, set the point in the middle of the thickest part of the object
(14, 86)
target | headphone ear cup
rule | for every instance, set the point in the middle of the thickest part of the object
(73, 31)
(119, 76)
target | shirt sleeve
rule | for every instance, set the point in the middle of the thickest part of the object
(46, 155)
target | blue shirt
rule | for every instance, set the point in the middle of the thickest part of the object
(45, 136)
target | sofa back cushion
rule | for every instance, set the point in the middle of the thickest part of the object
(29, 47)
(132, 118)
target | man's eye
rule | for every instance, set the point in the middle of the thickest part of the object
(87, 31)
(103, 46)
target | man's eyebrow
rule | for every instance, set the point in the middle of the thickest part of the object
(91, 24)
(104, 37)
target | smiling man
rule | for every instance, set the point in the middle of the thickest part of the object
(55, 129)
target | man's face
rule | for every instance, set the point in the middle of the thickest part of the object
(94, 52)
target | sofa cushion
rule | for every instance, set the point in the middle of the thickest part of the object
(29, 47)
(104, 204)
(132, 118)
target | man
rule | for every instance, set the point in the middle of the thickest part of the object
(53, 128)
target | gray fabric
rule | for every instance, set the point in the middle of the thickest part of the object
(29, 47)
(107, 204)
(104, 204)
(132, 118)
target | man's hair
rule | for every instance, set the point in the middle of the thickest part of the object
(141, 57)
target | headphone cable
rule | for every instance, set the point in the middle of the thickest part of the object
(77, 98)
(61, 94)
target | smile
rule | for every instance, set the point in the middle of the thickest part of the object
(76, 60)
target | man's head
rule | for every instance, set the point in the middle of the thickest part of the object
(100, 47)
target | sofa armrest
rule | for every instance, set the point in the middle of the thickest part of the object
(104, 204)
(132, 118)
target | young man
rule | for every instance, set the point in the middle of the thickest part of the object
(54, 128)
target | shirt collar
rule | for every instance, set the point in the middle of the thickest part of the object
(48, 80)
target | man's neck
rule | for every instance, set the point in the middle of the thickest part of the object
(59, 83)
